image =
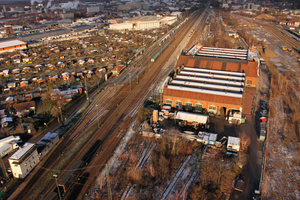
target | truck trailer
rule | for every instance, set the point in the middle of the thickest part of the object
(7, 148)
(10, 139)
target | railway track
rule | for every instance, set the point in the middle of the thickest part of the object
(278, 33)
(114, 118)
(111, 142)
(285, 39)
(75, 132)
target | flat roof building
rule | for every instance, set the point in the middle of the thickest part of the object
(24, 160)
(214, 79)
(12, 45)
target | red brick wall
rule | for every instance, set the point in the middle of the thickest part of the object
(205, 104)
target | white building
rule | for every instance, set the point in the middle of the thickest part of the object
(169, 20)
(94, 9)
(146, 25)
(24, 160)
(121, 26)
(46, 144)
(177, 14)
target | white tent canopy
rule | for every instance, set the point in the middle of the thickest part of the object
(192, 117)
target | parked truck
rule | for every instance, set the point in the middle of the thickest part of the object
(10, 139)
(235, 117)
(7, 148)
(263, 130)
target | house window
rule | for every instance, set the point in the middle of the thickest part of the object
(178, 104)
(198, 107)
(169, 102)
(188, 106)
(212, 109)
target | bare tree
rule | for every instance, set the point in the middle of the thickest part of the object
(55, 112)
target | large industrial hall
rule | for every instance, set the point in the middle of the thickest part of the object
(213, 79)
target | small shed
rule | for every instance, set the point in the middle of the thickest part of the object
(9, 99)
(233, 145)
(6, 121)
(212, 139)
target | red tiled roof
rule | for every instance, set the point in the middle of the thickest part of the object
(24, 105)
(248, 67)
(202, 96)
(248, 100)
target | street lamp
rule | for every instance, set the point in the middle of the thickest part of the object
(55, 176)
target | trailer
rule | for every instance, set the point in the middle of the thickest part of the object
(7, 148)
(9, 140)
(161, 51)
(263, 131)
(66, 181)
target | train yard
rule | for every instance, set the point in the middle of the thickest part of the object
(114, 108)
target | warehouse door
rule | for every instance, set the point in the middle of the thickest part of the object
(223, 112)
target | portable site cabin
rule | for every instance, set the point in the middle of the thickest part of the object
(233, 145)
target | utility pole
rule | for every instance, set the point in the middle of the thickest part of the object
(130, 80)
(61, 115)
(55, 176)
(86, 87)
(160, 97)
(108, 183)
(4, 172)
